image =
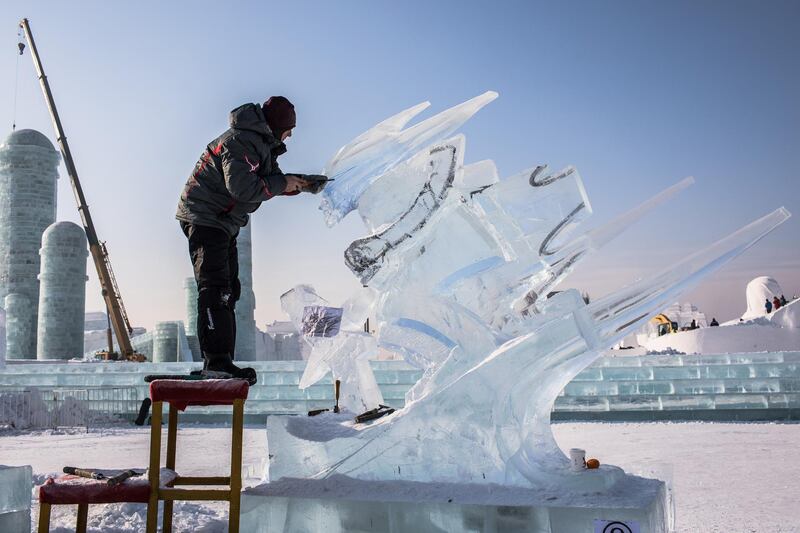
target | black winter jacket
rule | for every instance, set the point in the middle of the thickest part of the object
(237, 171)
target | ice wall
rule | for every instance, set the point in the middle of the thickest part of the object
(460, 264)
(279, 343)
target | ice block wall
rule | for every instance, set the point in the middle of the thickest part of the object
(19, 325)
(28, 174)
(62, 295)
(245, 307)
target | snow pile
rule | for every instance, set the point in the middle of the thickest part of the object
(759, 290)
(132, 518)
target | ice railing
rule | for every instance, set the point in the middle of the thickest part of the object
(54, 407)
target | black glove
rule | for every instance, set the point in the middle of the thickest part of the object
(316, 182)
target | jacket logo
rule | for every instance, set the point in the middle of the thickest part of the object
(253, 167)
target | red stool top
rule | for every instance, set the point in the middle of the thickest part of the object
(71, 490)
(182, 393)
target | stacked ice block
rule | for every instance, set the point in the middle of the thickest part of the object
(724, 386)
(757, 385)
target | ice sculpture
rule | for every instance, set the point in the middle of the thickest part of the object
(339, 344)
(375, 151)
(461, 267)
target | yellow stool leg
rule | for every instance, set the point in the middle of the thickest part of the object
(172, 438)
(236, 466)
(44, 518)
(83, 515)
(155, 465)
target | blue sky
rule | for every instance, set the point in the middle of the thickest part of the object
(636, 94)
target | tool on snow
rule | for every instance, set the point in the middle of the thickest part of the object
(80, 472)
(99, 476)
(372, 414)
(337, 385)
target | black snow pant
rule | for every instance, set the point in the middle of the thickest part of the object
(216, 271)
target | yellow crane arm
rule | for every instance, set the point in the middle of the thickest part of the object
(110, 291)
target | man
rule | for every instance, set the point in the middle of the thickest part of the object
(236, 173)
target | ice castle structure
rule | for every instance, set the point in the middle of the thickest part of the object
(461, 267)
(28, 175)
(62, 295)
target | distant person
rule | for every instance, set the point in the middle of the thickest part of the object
(776, 303)
(783, 299)
(693, 325)
(768, 306)
(236, 173)
(714, 322)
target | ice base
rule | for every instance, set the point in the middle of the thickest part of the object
(16, 483)
(344, 504)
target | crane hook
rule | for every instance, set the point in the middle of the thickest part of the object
(21, 46)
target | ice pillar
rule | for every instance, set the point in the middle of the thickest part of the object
(166, 342)
(2, 337)
(245, 307)
(190, 285)
(62, 295)
(28, 174)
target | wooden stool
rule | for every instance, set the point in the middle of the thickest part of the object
(180, 394)
(81, 491)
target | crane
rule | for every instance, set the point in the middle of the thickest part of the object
(117, 315)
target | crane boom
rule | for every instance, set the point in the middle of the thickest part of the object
(110, 291)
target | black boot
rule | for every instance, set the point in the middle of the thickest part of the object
(221, 365)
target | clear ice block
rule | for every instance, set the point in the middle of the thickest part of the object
(16, 483)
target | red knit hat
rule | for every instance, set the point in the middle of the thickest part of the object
(280, 115)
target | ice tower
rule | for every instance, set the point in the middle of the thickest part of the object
(28, 174)
(2, 336)
(245, 307)
(62, 298)
(190, 286)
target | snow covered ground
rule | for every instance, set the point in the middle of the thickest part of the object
(727, 478)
